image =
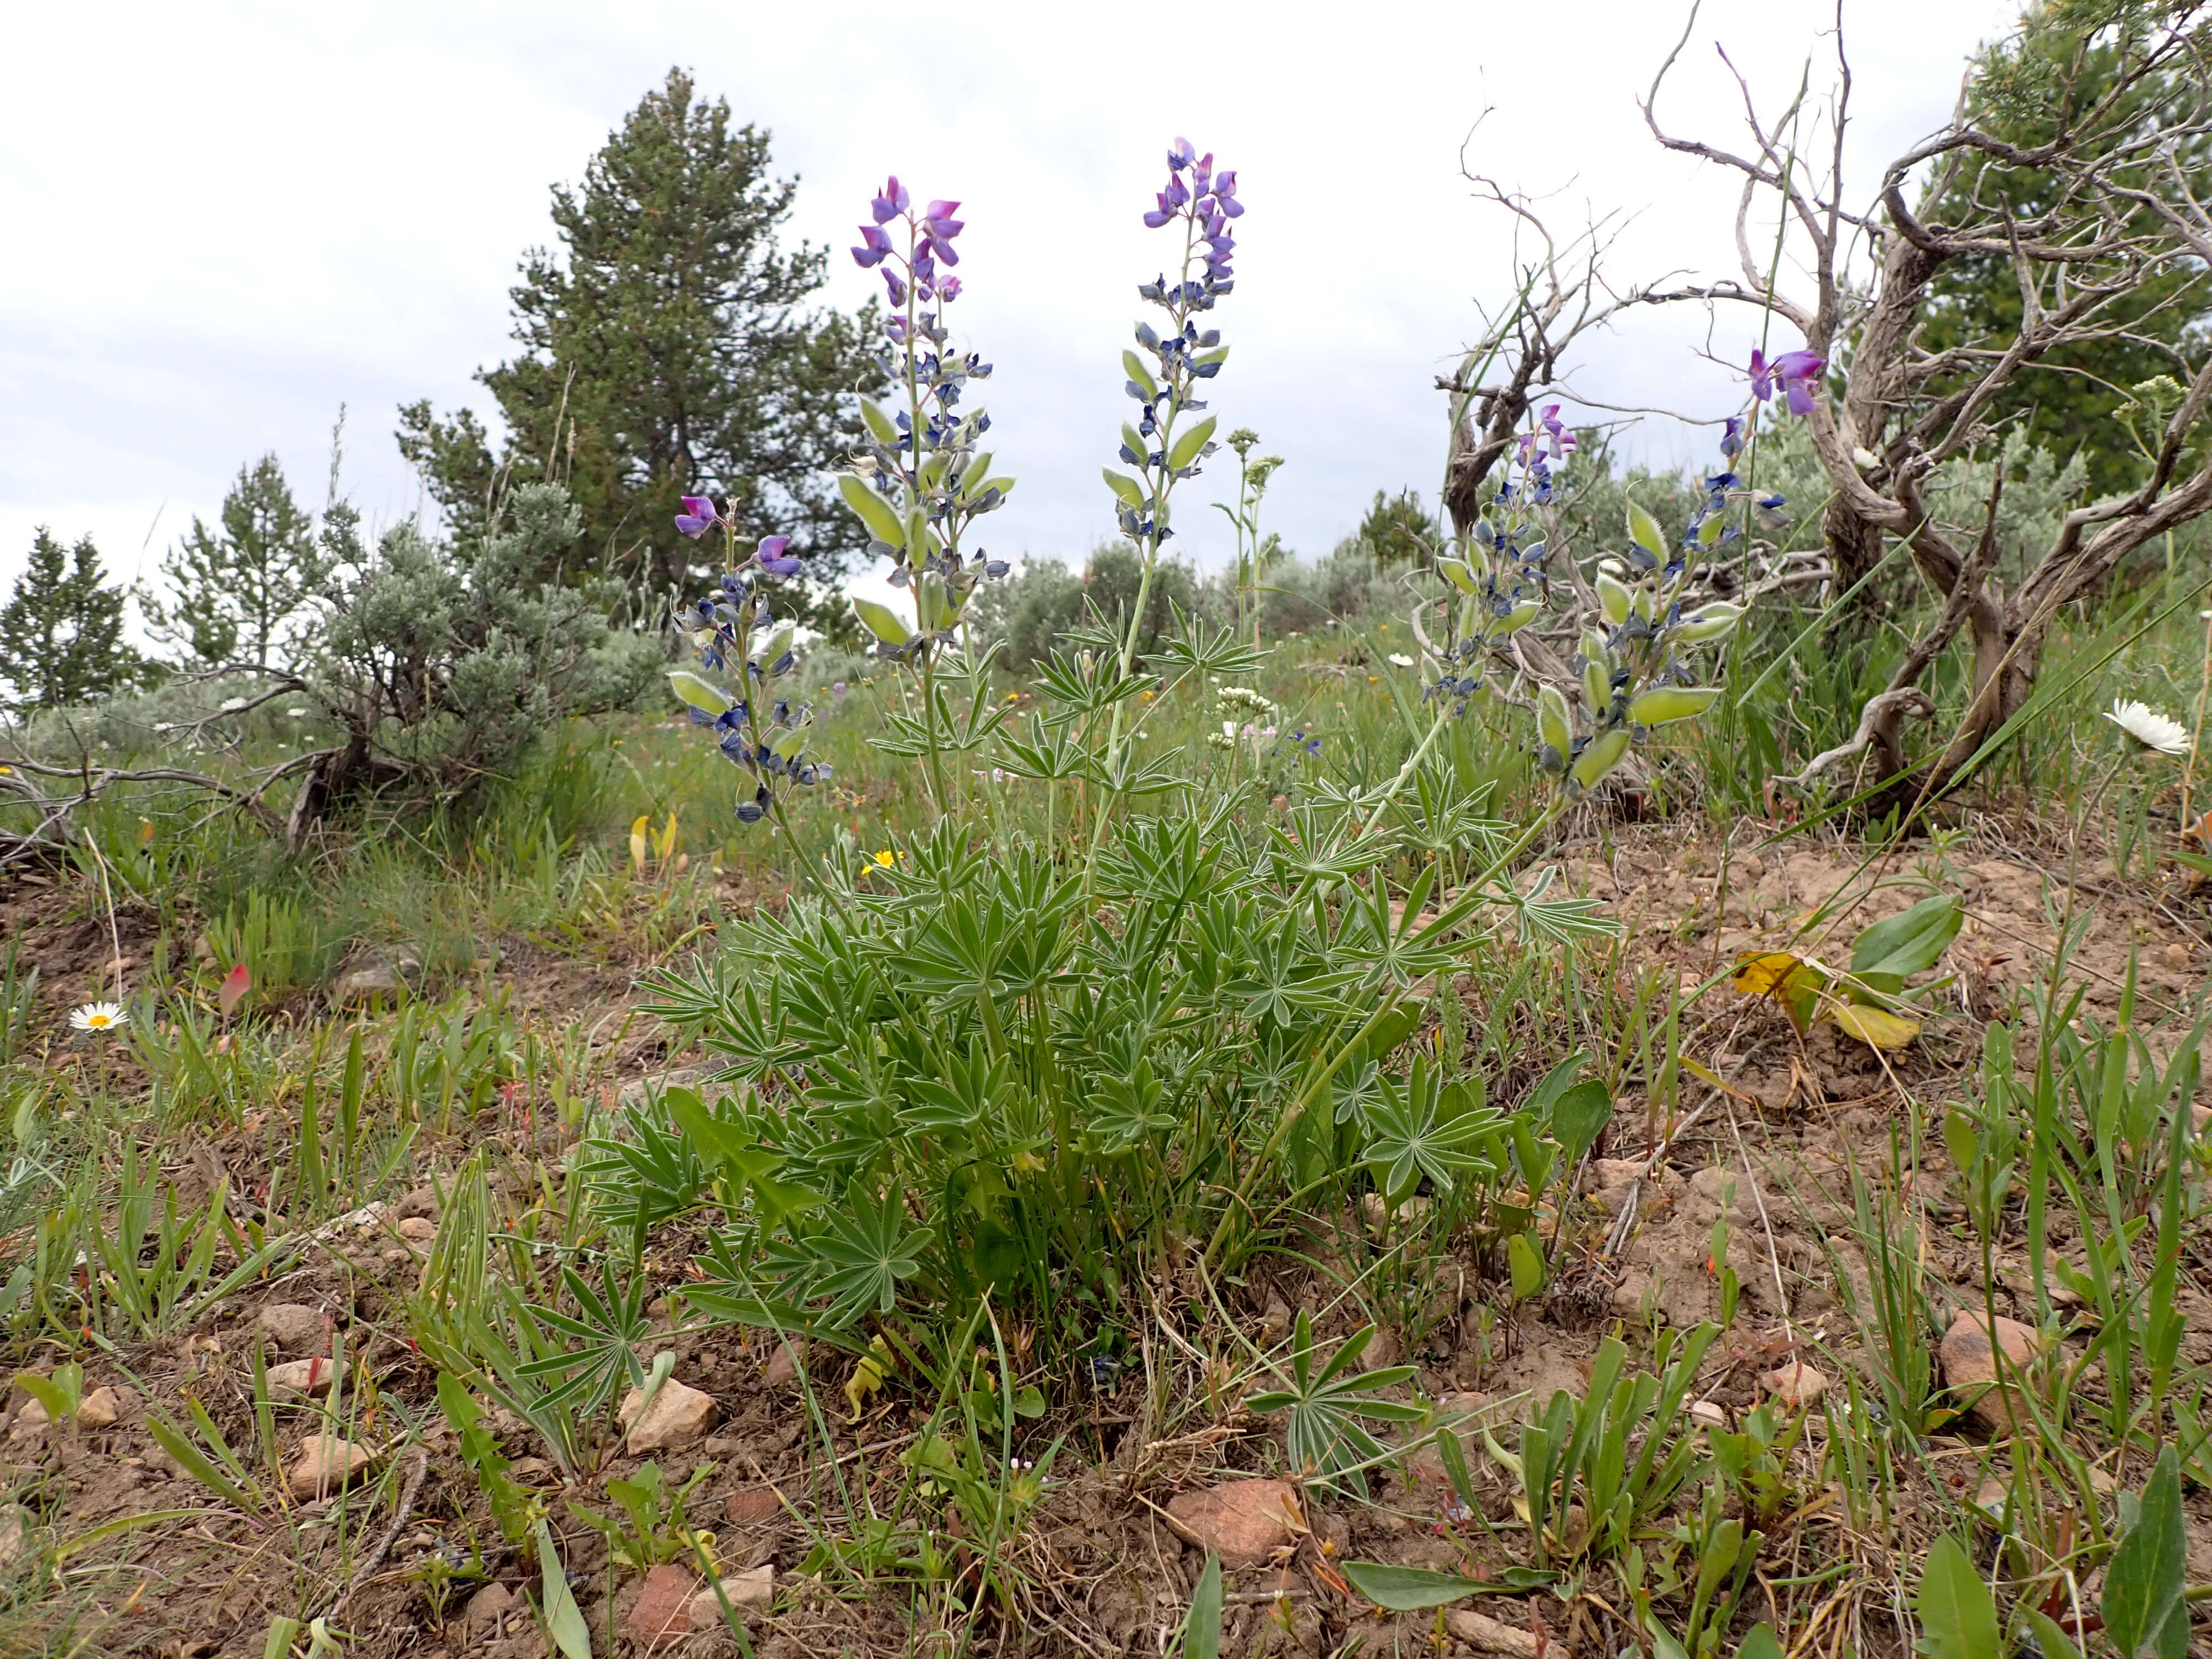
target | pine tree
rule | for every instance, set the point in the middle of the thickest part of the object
(61, 631)
(237, 595)
(668, 350)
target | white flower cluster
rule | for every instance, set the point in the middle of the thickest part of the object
(1232, 700)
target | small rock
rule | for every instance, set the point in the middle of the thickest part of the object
(418, 1229)
(678, 1417)
(1707, 1414)
(1795, 1384)
(31, 1421)
(421, 1204)
(369, 977)
(99, 1409)
(307, 1377)
(783, 1368)
(661, 1613)
(1969, 1367)
(1275, 1320)
(293, 1328)
(487, 1607)
(753, 1506)
(754, 1588)
(15, 1535)
(635, 1093)
(1242, 1522)
(2177, 956)
(325, 1463)
(1611, 1175)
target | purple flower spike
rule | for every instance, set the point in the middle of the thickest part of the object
(943, 249)
(949, 288)
(939, 209)
(897, 287)
(1182, 154)
(893, 202)
(1732, 440)
(783, 567)
(1762, 376)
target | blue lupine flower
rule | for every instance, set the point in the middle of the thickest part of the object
(1732, 438)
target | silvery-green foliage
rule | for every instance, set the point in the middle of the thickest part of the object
(440, 663)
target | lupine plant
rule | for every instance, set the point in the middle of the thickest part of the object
(924, 480)
(996, 1066)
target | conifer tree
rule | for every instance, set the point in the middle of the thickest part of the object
(669, 349)
(237, 593)
(61, 630)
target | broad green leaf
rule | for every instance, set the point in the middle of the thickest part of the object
(1958, 1619)
(881, 621)
(1672, 702)
(2054, 1641)
(1644, 530)
(1911, 941)
(564, 1619)
(1759, 1642)
(2143, 1606)
(1187, 447)
(1579, 1117)
(1131, 492)
(1409, 1590)
(1528, 1263)
(701, 693)
(1202, 1625)
(881, 518)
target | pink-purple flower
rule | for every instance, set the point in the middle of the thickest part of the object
(697, 517)
(1794, 371)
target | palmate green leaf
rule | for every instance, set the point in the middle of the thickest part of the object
(1957, 1617)
(2143, 1603)
(864, 1254)
(1325, 1436)
(1421, 1128)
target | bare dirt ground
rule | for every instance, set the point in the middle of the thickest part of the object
(1109, 1573)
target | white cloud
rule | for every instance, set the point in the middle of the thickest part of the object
(225, 220)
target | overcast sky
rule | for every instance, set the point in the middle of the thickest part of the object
(223, 221)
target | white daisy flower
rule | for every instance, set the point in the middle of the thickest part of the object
(99, 1017)
(2153, 730)
(1399, 659)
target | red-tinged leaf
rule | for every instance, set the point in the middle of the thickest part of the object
(235, 985)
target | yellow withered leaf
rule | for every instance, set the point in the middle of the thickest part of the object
(1763, 973)
(1876, 1027)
